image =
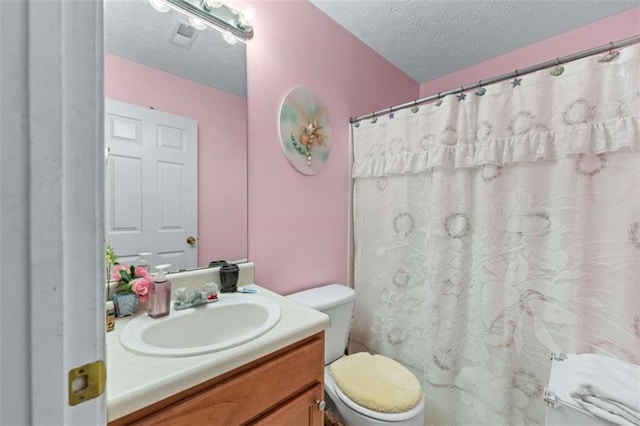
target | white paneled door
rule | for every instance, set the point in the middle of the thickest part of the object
(151, 185)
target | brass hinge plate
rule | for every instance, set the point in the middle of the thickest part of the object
(87, 382)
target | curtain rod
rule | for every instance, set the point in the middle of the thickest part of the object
(508, 76)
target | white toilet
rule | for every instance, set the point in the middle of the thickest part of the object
(338, 301)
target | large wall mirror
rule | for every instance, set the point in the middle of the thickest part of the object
(161, 74)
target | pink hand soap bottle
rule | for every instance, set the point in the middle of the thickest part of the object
(160, 294)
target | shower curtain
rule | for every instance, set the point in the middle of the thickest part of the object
(496, 226)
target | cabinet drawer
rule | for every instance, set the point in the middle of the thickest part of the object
(242, 398)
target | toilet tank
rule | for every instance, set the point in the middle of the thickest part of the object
(337, 301)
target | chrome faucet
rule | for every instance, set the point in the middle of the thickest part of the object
(208, 294)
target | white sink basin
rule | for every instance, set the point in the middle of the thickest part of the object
(232, 320)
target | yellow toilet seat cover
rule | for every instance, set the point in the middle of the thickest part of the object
(376, 382)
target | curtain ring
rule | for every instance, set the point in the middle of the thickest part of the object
(480, 91)
(439, 101)
(558, 69)
(611, 55)
(516, 72)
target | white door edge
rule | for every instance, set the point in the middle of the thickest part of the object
(62, 267)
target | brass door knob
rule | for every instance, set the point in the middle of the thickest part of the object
(191, 240)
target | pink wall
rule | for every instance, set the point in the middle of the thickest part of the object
(222, 149)
(617, 27)
(298, 225)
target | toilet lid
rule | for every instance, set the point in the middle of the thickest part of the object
(376, 382)
(385, 417)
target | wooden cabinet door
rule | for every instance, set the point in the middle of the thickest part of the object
(247, 396)
(280, 389)
(300, 411)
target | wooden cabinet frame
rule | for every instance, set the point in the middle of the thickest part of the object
(283, 386)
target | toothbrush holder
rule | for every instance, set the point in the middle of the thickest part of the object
(229, 278)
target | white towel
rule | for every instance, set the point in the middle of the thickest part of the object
(606, 387)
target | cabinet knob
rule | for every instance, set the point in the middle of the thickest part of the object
(321, 405)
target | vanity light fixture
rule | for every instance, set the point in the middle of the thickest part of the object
(197, 24)
(233, 24)
(159, 5)
(229, 38)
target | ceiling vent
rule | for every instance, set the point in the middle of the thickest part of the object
(183, 35)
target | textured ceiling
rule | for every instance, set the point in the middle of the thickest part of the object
(430, 38)
(136, 31)
(424, 38)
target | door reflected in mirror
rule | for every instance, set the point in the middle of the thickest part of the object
(161, 65)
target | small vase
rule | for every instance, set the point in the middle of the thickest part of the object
(125, 303)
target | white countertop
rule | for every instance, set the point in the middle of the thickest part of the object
(136, 381)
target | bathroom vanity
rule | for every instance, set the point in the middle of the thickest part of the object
(274, 379)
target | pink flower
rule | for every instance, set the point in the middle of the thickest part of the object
(140, 286)
(141, 272)
(115, 272)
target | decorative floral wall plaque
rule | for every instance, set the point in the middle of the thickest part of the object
(304, 131)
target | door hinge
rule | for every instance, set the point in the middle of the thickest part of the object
(87, 382)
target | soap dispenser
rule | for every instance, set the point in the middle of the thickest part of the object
(159, 294)
(142, 262)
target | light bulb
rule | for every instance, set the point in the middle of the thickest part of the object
(210, 4)
(159, 5)
(196, 23)
(242, 22)
(249, 14)
(229, 38)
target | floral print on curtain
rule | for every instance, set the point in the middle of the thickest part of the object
(492, 230)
